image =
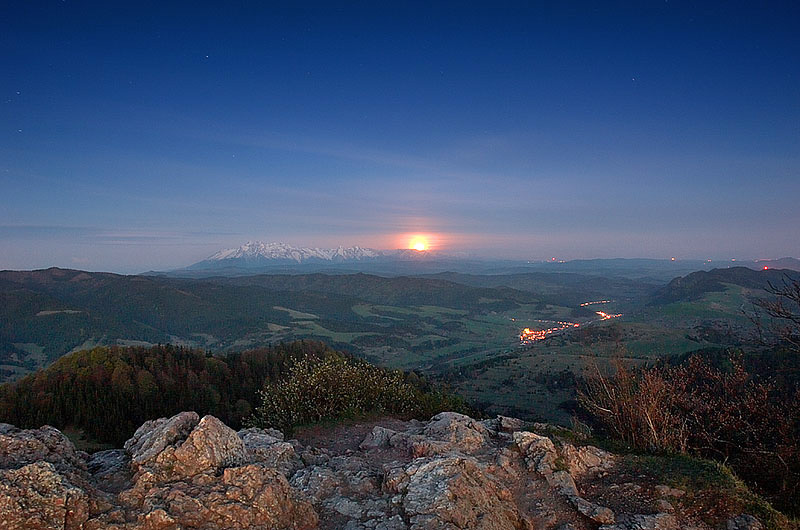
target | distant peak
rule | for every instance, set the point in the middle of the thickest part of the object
(279, 251)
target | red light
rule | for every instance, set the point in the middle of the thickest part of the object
(766, 268)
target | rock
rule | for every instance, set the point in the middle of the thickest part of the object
(452, 492)
(503, 424)
(664, 506)
(464, 433)
(156, 435)
(744, 522)
(565, 484)
(19, 447)
(259, 437)
(414, 444)
(317, 482)
(660, 521)
(250, 496)
(110, 469)
(586, 460)
(393, 523)
(540, 455)
(209, 447)
(379, 437)
(666, 491)
(36, 496)
(280, 455)
(539, 452)
(450, 473)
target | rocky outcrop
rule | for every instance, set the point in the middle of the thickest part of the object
(449, 473)
(38, 496)
(452, 492)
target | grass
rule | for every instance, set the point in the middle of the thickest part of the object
(704, 482)
(713, 491)
(315, 330)
(296, 315)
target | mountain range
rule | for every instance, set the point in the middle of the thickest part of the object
(256, 257)
(255, 254)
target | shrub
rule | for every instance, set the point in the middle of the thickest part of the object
(334, 387)
(715, 411)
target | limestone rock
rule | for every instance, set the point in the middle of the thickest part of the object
(450, 473)
(36, 496)
(19, 447)
(250, 496)
(154, 436)
(110, 469)
(264, 447)
(453, 492)
(464, 433)
(503, 424)
(744, 522)
(586, 460)
(539, 452)
(210, 446)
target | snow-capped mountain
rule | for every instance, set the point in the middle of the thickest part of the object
(255, 253)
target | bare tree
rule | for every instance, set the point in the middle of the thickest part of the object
(783, 311)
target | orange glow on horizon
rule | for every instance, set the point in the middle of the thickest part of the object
(419, 243)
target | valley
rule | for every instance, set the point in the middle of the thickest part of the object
(511, 343)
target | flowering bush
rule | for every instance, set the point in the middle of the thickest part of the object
(333, 387)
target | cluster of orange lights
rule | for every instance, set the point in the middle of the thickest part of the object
(532, 335)
(528, 335)
(597, 302)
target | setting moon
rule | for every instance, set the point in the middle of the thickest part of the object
(418, 243)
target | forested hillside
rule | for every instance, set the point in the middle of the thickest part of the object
(109, 391)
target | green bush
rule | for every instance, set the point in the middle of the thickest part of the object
(315, 390)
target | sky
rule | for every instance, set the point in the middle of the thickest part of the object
(148, 135)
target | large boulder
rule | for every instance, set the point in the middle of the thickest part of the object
(154, 436)
(539, 452)
(181, 447)
(268, 448)
(452, 492)
(464, 433)
(586, 460)
(36, 496)
(247, 497)
(211, 446)
(19, 447)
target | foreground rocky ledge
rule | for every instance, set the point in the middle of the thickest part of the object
(452, 472)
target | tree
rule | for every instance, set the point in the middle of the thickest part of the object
(783, 311)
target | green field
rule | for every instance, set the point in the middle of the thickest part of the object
(465, 333)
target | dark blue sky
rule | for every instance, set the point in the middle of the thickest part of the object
(148, 136)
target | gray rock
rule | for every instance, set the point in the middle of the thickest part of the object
(110, 469)
(744, 522)
(452, 492)
(19, 447)
(263, 447)
(464, 433)
(539, 452)
(156, 435)
(660, 521)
